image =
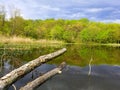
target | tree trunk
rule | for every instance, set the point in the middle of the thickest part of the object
(18, 73)
(43, 78)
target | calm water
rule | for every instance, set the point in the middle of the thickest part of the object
(88, 67)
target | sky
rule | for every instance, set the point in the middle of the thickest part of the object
(96, 10)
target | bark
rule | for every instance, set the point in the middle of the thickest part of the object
(43, 78)
(19, 72)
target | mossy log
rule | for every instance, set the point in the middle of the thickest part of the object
(41, 79)
(14, 75)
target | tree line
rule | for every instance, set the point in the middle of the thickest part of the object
(71, 31)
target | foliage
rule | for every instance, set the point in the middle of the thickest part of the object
(81, 30)
(57, 32)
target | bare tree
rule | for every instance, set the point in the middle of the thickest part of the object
(14, 14)
(2, 17)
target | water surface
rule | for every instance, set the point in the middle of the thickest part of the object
(88, 67)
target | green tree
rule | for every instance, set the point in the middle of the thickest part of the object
(57, 32)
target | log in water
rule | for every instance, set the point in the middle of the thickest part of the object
(19, 72)
(41, 79)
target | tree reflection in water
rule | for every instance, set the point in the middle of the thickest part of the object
(89, 67)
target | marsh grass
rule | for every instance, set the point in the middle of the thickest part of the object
(8, 40)
(24, 40)
(23, 43)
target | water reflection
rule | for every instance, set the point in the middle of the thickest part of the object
(89, 67)
(14, 56)
(102, 77)
(81, 55)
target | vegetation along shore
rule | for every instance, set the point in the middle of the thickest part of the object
(69, 31)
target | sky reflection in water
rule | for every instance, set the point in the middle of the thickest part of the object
(102, 61)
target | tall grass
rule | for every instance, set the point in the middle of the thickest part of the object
(24, 40)
(14, 39)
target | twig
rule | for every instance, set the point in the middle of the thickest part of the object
(90, 68)
(14, 87)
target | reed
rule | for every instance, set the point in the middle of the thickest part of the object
(25, 40)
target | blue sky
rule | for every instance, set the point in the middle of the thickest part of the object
(98, 10)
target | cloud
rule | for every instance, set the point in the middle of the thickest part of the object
(95, 10)
(109, 21)
(102, 10)
(47, 7)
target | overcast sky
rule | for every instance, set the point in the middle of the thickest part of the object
(98, 10)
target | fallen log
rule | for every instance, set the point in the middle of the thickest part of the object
(43, 78)
(19, 72)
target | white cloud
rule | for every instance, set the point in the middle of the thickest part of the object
(116, 11)
(113, 21)
(95, 10)
(48, 7)
(77, 15)
(67, 9)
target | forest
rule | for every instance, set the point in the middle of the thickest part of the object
(70, 31)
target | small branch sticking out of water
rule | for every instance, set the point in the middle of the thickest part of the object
(14, 87)
(90, 68)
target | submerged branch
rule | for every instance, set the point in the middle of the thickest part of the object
(43, 78)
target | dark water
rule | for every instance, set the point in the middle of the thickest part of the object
(88, 67)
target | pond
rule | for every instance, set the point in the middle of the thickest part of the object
(88, 67)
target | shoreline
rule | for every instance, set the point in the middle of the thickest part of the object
(24, 40)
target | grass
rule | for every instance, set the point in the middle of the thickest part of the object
(100, 44)
(24, 40)
(112, 44)
(23, 43)
(8, 40)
